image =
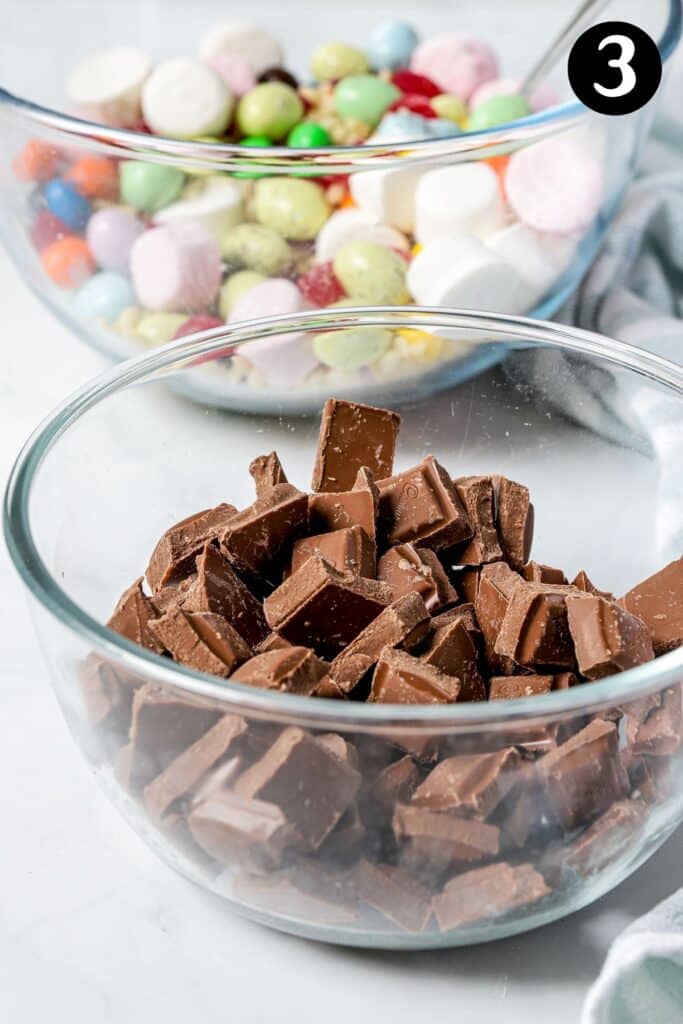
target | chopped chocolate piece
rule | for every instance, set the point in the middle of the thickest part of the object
(340, 510)
(421, 504)
(486, 893)
(405, 568)
(438, 841)
(462, 613)
(404, 622)
(279, 895)
(452, 649)
(174, 594)
(606, 637)
(606, 838)
(658, 601)
(233, 828)
(273, 642)
(289, 670)
(310, 785)
(107, 698)
(476, 494)
(467, 583)
(534, 632)
(394, 783)
(328, 689)
(174, 555)
(340, 747)
(497, 584)
(661, 733)
(534, 572)
(584, 776)
(348, 551)
(320, 608)
(187, 770)
(132, 617)
(267, 473)
(513, 687)
(201, 640)
(582, 582)
(473, 784)
(353, 436)
(399, 678)
(394, 894)
(219, 589)
(342, 842)
(514, 521)
(258, 536)
(563, 681)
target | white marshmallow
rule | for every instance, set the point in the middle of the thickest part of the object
(218, 206)
(184, 99)
(526, 250)
(388, 194)
(465, 197)
(261, 49)
(461, 271)
(354, 225)
(106, 86)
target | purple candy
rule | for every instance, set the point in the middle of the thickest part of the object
(110, 235)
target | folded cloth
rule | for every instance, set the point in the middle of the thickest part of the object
(642, 979)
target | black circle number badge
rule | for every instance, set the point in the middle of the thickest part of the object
(614, 67)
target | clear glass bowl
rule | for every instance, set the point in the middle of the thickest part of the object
(532, 270)
(125, 457)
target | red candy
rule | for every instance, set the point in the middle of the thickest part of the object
(415, 103)
(320, 286)
(194, 324)
(409, 81)
(47, 229)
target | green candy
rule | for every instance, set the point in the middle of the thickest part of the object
(148, 187)
(450, 107)
(353, 348)
(372, 274)
(258, 142)
(337, 60)
(271, 109)
(234, 288)
(294, 208)
(256, 247)
(159, 328)
(308, 134)
(364, 97)
(498, 110)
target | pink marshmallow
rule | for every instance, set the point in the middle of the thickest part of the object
(236, 72)
(176, 268)
(458, 64)
(284, 360)
(541, 97)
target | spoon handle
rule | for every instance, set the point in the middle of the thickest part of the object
(581, 18)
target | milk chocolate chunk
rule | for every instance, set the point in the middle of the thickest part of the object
(232, 828)
(349, 551)
(341, 510)
(452, 650)
(476, 494)
(437, 842)
(497, 583)
(394, 893)
(514, 521)
(328, 689)
(661, 733)
(258, 536)
(201, 640)
(174, 555)
(535, 572)
(394, 783)
(312, 787)
(400, 678)
(188, 769)
(406, 568)
(422, 505)
(472, 784)
(321, 608)
(279, 894)
(534, 632)
(289, 670)
(273, 642)
(405, 622)
(353, 436)
(132, 617)
(487, 893)
(514, 687)
(584, 775)
(219, 589)
(267, 473)
(658, 601)
(173, 595)
(582, 582)
(604, 840)
(467, 583)
(607, 638)
(463, 613)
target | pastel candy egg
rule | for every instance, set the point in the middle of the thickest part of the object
(184, 98)
(176, 267)
(217, 204)
(234, 288)
(355, 225)
(110, 234)
(371, 273)
(464, 197)
(67, 261)
(260, 48)
(458, 64)
(449, 107)
(495, 110)
(554, 185)
(147, 186)
(95, 177)
(236, 72)
(271, 109)
(256, 247)
(295, 208)
(287, 358)
(37, 161)
(106, 87)
(352, 348)
(104, 296)
(541, 96)
(337, 60)
(388, 194)
(401, 126)
(65, 201)
(159, 328)
(46, 229)
(364, 97)
(391, 44)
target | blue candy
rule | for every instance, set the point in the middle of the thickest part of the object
(442, 128)
(67, 203)
(104, 296)
(402, 126)
(391, 45)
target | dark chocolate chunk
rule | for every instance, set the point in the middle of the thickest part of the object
(353, 436)
(497, 583)
(472, 784)
(399, 678)
(132, 617)
(534, 572)
(606, 637)
(341, 510)
(422, 505)
(219, 589)
(201, 640)
(582, 582)
(534, 632)
(289, 670)
(486, 893)
(393, 893)
(514, 687)
(476, 494)
(267, 472)
(452, 649)
(514, 521)
(278, 74)
(263, 533)
(348, 551)
(175, 554)
(658, 601)
(406, 568)
(436, 841)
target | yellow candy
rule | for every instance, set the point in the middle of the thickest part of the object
(159, 328)
(416, 249)
(419, 345)
(450, 107)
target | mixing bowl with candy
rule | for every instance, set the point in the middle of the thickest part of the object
(366, 716)
(204, 173)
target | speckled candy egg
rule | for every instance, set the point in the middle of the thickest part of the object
(391, 44)
(293, 207)
(353, 348)
(256, 247)
(371, 273)
(364, 97)
(271, 109)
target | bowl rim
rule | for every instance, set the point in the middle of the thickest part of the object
(188, 352)
(220, 156)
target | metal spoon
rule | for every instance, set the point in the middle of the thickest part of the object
(581, 18)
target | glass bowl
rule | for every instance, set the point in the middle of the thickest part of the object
(125, 457)
(511, 266)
